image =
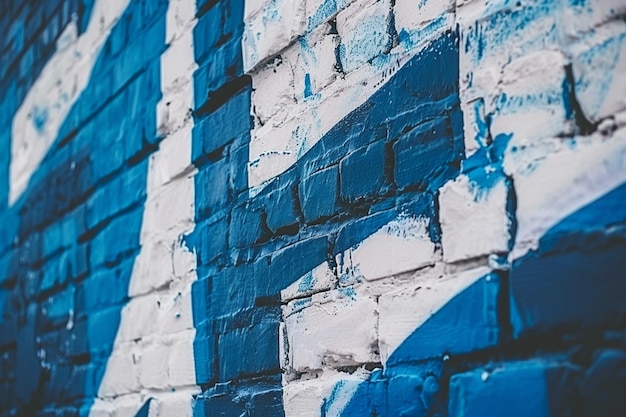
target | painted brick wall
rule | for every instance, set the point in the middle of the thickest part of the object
(313, 208)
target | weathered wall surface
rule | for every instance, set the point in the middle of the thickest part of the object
(313, 208)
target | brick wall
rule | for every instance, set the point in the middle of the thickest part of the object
(313, 208)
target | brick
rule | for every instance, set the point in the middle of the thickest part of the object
(226, 123)
(422, 156)
(364, 32)
(362, 173)
(281, 205)
(240, 352)
(319, 195)
(548, 389)
(212, 188)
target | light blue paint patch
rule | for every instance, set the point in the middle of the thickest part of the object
(323, 12)
(348, 292)
(271, 11)
(306, 52)
(307, 282)
(503, 21)
(482, 128)
(411, 38)
(307, 85)
(40, 118)
(370, 40)
(608, 53)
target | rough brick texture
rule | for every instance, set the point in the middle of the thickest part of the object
(312, 208)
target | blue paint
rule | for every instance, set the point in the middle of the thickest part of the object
(578, 263)
(40, 118)
(548, 389)
(77, 225)
(307, 86)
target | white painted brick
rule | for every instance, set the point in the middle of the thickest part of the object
(319, 279)
(137, 319)
(532, 89)
(181, 371)
(176, 403)
(407, 307)
(154, 365)
(173, 161)
(169, 207)
(553, 179)
(123, 369)
(175, 311)
(316, 59)
(400, 246)
(599, 65)
(306, 398)
(577, 20)
(473, 221)
(312, 331)
(274, 89)
(364, 31)
(270, 29)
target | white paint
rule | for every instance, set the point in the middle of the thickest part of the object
(305, 398)
(312, 330)
(54, 93)
(401, 245)
(555, 178)
(533, 87)
(599, 63)
(408, 306)
(156, 329)
(473, 221)
(270, 29)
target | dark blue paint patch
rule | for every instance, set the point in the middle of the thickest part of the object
(579, 263)
(549, 389)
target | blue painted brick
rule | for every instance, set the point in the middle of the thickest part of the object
(225, 65)
(467, 323)
(207, 32)
(225, 124)
(102, 327)
(105, 287)
(247, 225)
(56, 309)
(319, 195)
(239, 166)
(532, 388)
(362, 173)
(218, 405)
(212, 240)
(422, 155)
(281, 204)
(246, 352)
(124, 231)
(292, 262)
(357, 230)
(544, 289)
(212, 188)
(204, 353)
(200, 296)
